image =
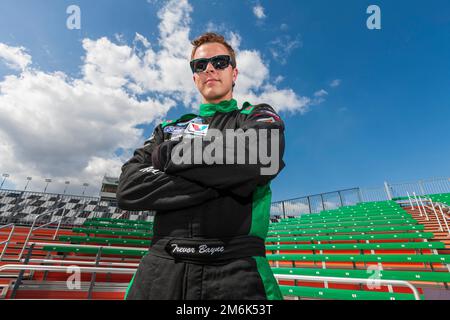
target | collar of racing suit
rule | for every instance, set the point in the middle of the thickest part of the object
(209, 109)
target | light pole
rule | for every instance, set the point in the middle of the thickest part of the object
(48, 182)
(85, 185)
(5, 176)
(29, 179)
(67, 184)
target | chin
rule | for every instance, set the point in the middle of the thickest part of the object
(214, 95)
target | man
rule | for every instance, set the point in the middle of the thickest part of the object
(211, 218)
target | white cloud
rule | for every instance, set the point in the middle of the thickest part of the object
(284, 27)
(335, 83)
(321, 93)
(213, 26)
(278, 79)
(319, 97)
(283, 46)
(14, 57)
(234, 40)
(55, 126)
(139, 38)
(258, 11)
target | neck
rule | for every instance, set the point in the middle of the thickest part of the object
(227, 97)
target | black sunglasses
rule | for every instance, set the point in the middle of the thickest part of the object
(218, 62)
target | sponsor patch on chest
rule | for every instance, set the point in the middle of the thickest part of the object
(173, 130)
(197, 129)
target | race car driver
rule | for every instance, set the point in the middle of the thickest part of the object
(211, 219)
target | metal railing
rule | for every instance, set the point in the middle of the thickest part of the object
(68, 269)
(421, 187)
(32, 228)
(420, 200)
(374, 194)
(6, 242)
(79, 262)
(351, 280)
(63, 268)
(87, 246)
(315, 203)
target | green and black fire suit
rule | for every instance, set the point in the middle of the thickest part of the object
(211, 219)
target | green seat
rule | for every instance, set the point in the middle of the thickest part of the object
(359, 246)
(315, 216)
(342, 224)
(117, 226)
(343, 219)
(428, 276)
(88, 250)
(115, 220)
(98, 240)
(113, 232)
(363, 236)
(349, 230)
(338, 294)
(422, 258)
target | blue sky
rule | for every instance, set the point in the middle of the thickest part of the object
(385, 121)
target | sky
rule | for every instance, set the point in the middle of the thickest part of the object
(361, 106)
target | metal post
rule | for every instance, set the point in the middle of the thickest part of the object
(29, 179)
(388, 192)
(284, 211)
(57, 228)
(65, 188)
(410, 202)
(91, 286)
(21, 273)
(5, 176)
(445, 219)
(6, 242)
(48, 181)
(435, 213)
(309, 204)
(418, 205)
(85, 185)
(340, 198)
(323, 204)
(424, 210)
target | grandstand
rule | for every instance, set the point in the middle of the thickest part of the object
(335, 245)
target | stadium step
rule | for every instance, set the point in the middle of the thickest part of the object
(354, 237)
(410, 227)
(358, 246)
(339, 294)
(99, 240)
(418, 258)
(428, 276)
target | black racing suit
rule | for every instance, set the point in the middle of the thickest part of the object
(211, 218)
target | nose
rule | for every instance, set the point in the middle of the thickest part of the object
(209, 68)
